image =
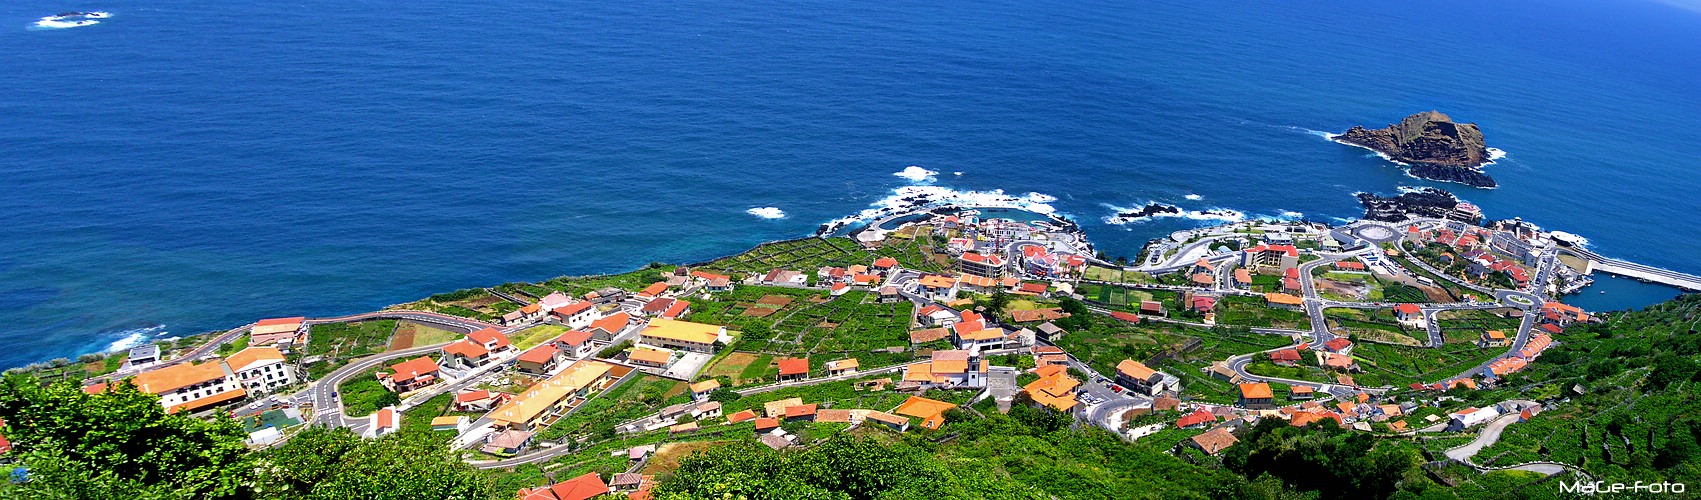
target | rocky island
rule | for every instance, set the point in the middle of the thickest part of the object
(1432, 144)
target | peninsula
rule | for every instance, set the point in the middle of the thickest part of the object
(1432, 145)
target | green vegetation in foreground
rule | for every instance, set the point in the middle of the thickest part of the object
(123, 444)
(1027, 454)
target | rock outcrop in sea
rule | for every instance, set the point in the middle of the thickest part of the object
(1433, 145)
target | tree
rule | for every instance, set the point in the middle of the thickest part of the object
(723, 395)
(1000, 299)
(120, 442)
(324, 463)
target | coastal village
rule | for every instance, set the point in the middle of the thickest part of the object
(583, 386)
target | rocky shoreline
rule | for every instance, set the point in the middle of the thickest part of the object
(1425, 202)
(1432, 145)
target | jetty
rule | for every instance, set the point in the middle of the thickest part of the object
(1597, 262)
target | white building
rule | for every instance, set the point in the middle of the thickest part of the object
(261, 369)
(191, 387)
(1470, 417)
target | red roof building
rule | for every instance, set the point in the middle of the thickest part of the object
(1198, 418)
(794, 367)
(583, 487)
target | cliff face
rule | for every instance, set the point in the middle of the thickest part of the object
(1435, 146)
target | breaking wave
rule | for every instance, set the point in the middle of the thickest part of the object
(767, 212)
(909, 199)
(917, 174)
(134, 337)
(70, 20)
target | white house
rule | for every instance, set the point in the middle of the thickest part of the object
(575, 344)
(1470, 417)
(554, 301)
(191, 387)
(576, 315)
(261, 369)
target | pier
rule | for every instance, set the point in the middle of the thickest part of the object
(1597, 262)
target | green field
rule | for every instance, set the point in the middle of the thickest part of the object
(537, 335)
(1468, 326)
(1374, 324)
(362, 394)
(1401, 365)
(1251, 312)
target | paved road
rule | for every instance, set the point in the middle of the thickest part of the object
(1487, 436)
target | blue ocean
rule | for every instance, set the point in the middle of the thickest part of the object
(193, 165)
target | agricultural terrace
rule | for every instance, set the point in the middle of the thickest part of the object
(1096, 273)
(1393, 365)
(1214, 345)
(475, 303)
(803, 255)
(1467, 326)
(578, 286)
(1245, 311)
(409, 334)
(751, 306)
(419, 417)
(631, 400)
(334, 344)
(535, 336)
(843, 395)
(1126, 299)
(1373, 325)
(916, 247)
(1443, 291)
(1102, 341)
(851, 325)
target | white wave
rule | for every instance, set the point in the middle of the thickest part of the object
(135, 338)
(909, 199)
(1291, 215)
(767, 212)
(53, 23)
(1124, 215)
(1496, 153)
(71, 20)
(1193, 197)
(917, 174)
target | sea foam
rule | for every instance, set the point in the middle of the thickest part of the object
(70, 21)
(917, 174)
(767, 212)
(1151, 209)
(134, 337)
(908, 199)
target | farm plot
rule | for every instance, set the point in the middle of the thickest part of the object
(804, 255)
(1468, 326)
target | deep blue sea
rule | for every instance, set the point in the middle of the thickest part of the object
(193, 165)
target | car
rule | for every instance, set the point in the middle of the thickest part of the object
(1116, 388)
